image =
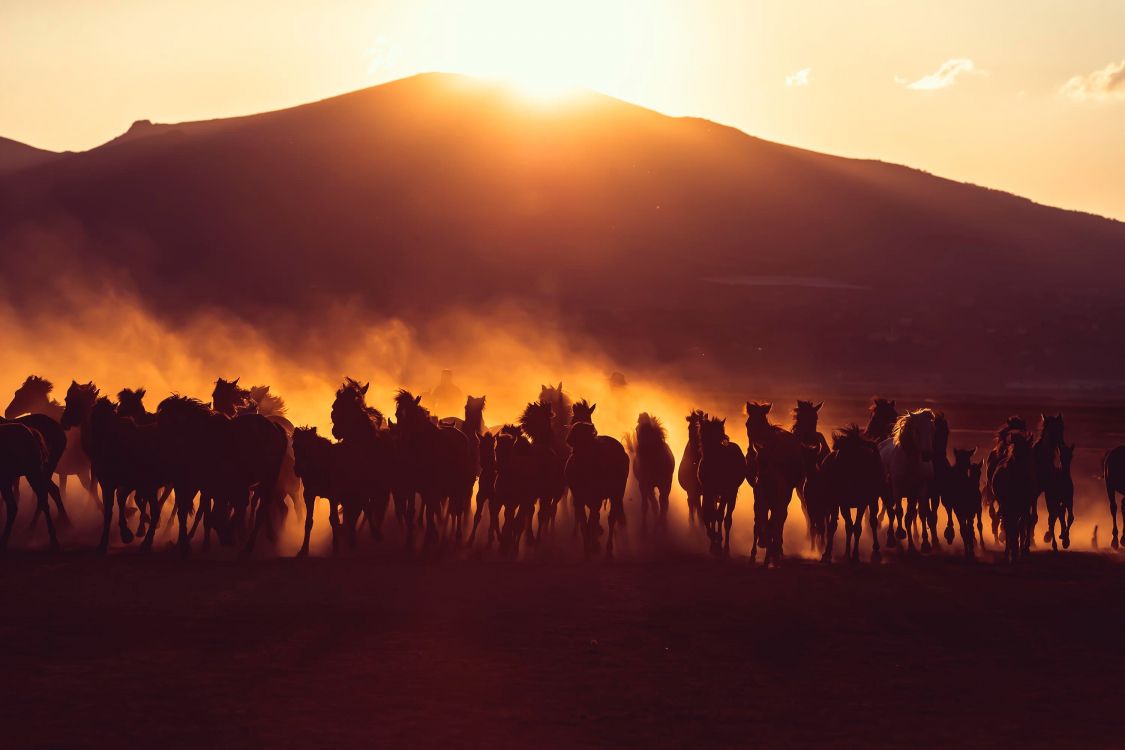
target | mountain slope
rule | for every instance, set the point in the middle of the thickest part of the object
(662, 238)
(15, 156)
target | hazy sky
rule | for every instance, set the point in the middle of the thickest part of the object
(1022, 95)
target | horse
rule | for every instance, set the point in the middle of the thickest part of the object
(233, 463)
(1014, 486)
(54, 437)
(232, 400)
(471, 427)
(518, 480)
(653, 466)
(364, 461)
(775, 467)
(597, 471)
(931, 505)
(1013, 425)
(722, 470)
(1047, 450)
(332, 471)
(23, 453)
(34, 397)
(908, 465)
(1059, 489)
(849, 477)
(962, 496)
(537, 423)
(688, 473)
(436, 460)
(561, 411)
(884, 415)
(486, 489)
(1113, 472)
(813, 446)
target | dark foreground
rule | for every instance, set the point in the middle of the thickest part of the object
(131, 652)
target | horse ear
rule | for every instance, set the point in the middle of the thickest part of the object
(235, 381)
(363, 390)
(749, 408)
(417, 399)
(542, 387)
(768, 407)
(817, 407)
(560, 387)
(592, 407)
(141, 392)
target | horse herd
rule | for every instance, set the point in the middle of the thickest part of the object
(235, 465)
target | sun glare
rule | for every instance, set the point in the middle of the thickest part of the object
(545, 50)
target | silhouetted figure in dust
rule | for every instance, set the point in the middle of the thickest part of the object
(688, 473)
(653, 467)
(908, 462)
(1059, 489)
(814, 449)
(597, 471)
(23, 453)
(722, 470)
(1014, 486)
(775, 466)
(1113, 471)
(445, 398)
(849, 478)
(435, 460)
(34, 397)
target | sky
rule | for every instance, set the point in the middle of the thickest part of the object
(1026, 96)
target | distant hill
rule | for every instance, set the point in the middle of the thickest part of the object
(15, 156)
(672, 240)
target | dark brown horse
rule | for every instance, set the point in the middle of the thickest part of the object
(518, 484)
(1059, 488)
(340, 473)
(962, 497)
(814, 448)
(1113, 472)
(436, 462)
(1014, 425)
(538, 423)
(24, 454)
(34, 397)
(363, 463)
(849, 478)
(472, 426)
(1047, 450)
(1014, 486)
(561, 411)
(597, 471)
(486, 489)
(884, 415)
(653, 466)
(54, 437)
(722, 470)
(778, 468)
(688, 473)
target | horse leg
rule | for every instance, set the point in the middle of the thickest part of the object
(11, 506)
(1112, 511)
(155, 505)
(184, 503)
(593, 526)
(310, 506)
(831, 523)
(107, 517)
(911, 516)
(728, 521)
(1065, 528)
(42, 499)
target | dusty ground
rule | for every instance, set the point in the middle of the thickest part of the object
(381, 651)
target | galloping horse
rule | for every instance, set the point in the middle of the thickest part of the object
(653, 466)
(908, 464)
(722, 470)
(688, 473)
(33, 397)
(597, 471)
(779, 463)
(849, 477)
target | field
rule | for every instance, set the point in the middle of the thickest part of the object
(383, 651)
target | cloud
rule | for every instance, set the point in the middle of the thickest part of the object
(945, 76)
(1101, 85)
(798, 79)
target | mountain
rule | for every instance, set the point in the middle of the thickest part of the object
(15, 156)
(665, 240)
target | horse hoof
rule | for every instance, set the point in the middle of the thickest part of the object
(949, 536)
(126, 535)
(900, 534)
(1066, 543)
(1114, 542)
(926, 547)
(303, 552)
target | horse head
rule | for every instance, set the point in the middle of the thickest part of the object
(914, 433)
(130, 403)
(33, 396)
(582, 411)
(228, 397)
(80, 398)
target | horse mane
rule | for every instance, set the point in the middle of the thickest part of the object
(268, 404)
(38, 383)
(901, 424)
(405, 400)
(534, 414)
(183, 404)
(650, 426)
(848, 435)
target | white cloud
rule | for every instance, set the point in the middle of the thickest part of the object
(945, 76)
(1107, 83)
(798, 79)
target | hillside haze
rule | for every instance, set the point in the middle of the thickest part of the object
(671, 241)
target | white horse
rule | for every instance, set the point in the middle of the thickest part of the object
(908, 460)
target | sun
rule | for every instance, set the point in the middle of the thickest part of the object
(545, 50)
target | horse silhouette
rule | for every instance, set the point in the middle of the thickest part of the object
(1014, 425)
(849, 477)
(363, 465)
(23, 453)
(909, 468)
(435, 460)
(722, 470)
(1047, 450)
(813, 446)
(34, 397)
(471, 427)
(688, 473)
(518, 482)
(884, 415)
(930, 511)
(486, 489)
(596, 471)
(539, 425)
(232, 463)
(1014, 486)
(775, 466)
(653, 466)
(962, 497)
(561, 410)
(1059, 488)
(1113, 472)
